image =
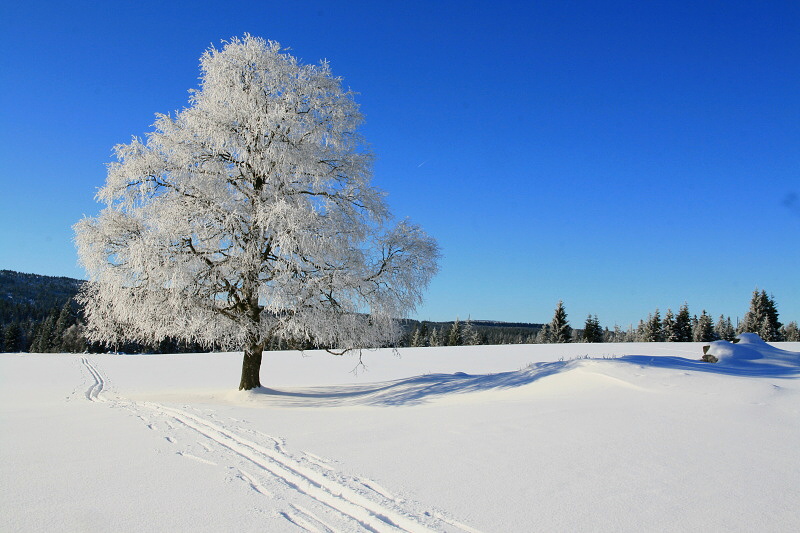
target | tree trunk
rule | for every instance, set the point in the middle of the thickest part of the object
(251, 367)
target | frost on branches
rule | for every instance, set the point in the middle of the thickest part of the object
(248, 217)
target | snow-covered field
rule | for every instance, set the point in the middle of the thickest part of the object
(486, 438)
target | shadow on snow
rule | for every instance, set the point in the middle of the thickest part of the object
(419, 389)
(738, 368)
(415, 390)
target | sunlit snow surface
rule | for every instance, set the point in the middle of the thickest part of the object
(603, 437)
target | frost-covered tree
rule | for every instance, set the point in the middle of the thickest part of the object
(617, 335)
(560, 330)
(470, 334)
(417, 339)
(454, 337)
(543, 335)
(653, 331)
(790, 332)
(435, 338)
(669, 327)
(420, 335)
(250, 216)
(762, 317)
(704, 329)
(724, 329)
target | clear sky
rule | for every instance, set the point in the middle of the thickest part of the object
(620, 156)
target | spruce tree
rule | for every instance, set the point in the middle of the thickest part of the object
(724, 329)
(560, 330)
(435, 338)
(774, 327)
(767, 331)
(790, 332)
(64, 320)
(416, 340)
(755, 315)
(683, 324)
(454, 337)
(43, 341)
(470, 334)
(670, 327)
(704, 329)
(653, 329)
(543, 335)
(762, 317)
(423, 334)
(592, 332)
(13, 337)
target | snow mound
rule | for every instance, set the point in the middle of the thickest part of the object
(752, 349)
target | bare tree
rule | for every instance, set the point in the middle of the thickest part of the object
(249, 216)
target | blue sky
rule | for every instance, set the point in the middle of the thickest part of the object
(620, 156)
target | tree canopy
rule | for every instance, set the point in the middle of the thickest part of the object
(250, 216)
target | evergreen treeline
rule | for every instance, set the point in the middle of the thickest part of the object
(467, 333)
(39, 314)
(761, 318)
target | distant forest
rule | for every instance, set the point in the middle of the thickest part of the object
(39, 314)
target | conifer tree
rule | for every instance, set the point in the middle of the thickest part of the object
(435, 338)
(683, 324)
(543, 335)
(790, 332)
(470, 334)
(755, 315)
(704, 329)
(774, 327)
(592, 332)
(44, 339)
(454, 337)
(560, 330)
(767, 331)
(13, 337)
(62, 323)
(653, 329)
(762, 317)
(724, 329)
(416, 338)
(670, 327)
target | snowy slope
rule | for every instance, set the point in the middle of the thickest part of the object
(605, 437)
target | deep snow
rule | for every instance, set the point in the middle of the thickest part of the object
(604, 437)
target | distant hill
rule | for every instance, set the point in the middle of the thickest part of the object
(32, 296)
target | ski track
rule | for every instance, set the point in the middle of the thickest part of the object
(328, 488)
(93, 393)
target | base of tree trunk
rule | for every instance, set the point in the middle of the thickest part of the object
(251, 369)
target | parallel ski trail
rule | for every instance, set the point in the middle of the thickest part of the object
(369, 514)
(93, 393)
(297, 474)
